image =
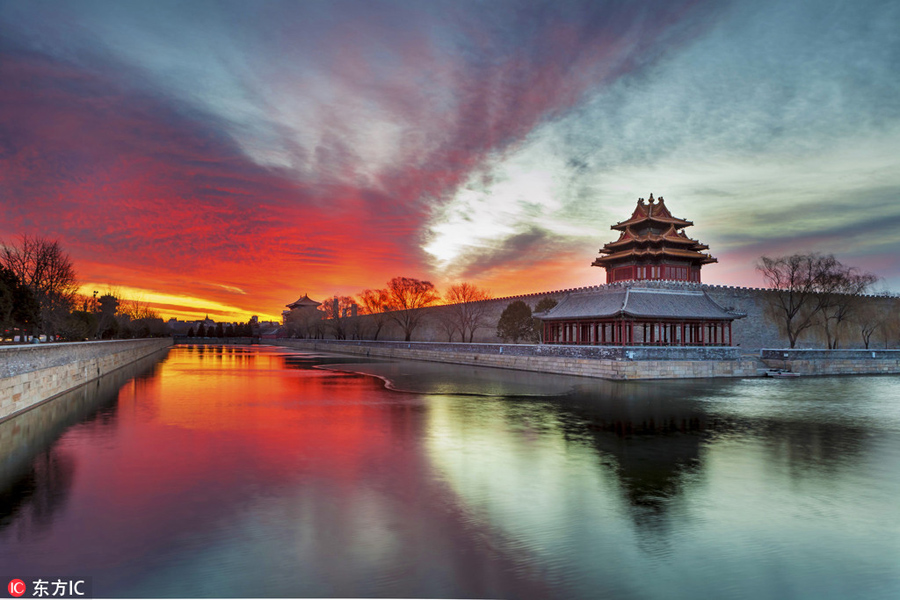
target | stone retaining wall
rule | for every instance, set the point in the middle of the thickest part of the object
(674, 367)
(32, 374)
(32, 432)
(834, 362)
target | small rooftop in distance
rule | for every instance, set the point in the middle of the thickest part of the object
(304, 302)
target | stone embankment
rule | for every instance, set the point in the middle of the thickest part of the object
(604, 362)
(33, 431)
(833, 362)
(32, 374)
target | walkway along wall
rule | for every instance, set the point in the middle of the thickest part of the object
(604, 362)
(32, 374)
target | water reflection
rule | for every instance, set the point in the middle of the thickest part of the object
(702, 478)
(36, 473)
(252, 471)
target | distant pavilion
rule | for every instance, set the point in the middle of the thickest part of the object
(629, 310)
(304, 303)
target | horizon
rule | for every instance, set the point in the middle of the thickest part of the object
(227, 158)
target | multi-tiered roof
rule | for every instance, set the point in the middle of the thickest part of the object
(652, 245)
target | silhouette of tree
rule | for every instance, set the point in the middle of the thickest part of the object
(108, 326)
(80, 325)
(339, 315)
(405, 297)
(374, 302)
(19, 308)
(467, 309)
(201, 331)
(515, 323)
(191, 332)
(44, 267)
(220, 330)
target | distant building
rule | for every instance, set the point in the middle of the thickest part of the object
(303, 318)
(304, 303)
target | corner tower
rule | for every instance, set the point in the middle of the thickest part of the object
(652, 245)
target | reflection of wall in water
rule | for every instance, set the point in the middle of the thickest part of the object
(36, 474)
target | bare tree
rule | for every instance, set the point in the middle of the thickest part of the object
(137, 309)
(869, 318)
(448, 322)
(339, 313)
(889, 324)
(842, 290)
(374, 303)
(798, 281)
(812, 289)
(405, 297)
(468, 308)
(44, 267)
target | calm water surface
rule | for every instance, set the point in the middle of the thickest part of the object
(250, 471)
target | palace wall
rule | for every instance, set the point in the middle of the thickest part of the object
(751, 333)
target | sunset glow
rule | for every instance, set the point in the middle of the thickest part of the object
(227, 158)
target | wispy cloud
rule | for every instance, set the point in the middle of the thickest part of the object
(330, 146)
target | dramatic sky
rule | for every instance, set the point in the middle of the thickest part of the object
(229, 157)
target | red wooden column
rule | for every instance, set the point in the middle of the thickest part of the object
(729, 334)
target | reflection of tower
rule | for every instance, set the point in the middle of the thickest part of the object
(654, 435)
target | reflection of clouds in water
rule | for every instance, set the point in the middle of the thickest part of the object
(518, 476)
(37, 473)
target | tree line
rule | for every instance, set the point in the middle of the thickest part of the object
(39, 296)
(222, 331)
(463, 313)
(398, 303)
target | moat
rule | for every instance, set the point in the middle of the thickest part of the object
(262, 471)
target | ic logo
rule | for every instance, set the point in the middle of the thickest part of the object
(16, 588)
